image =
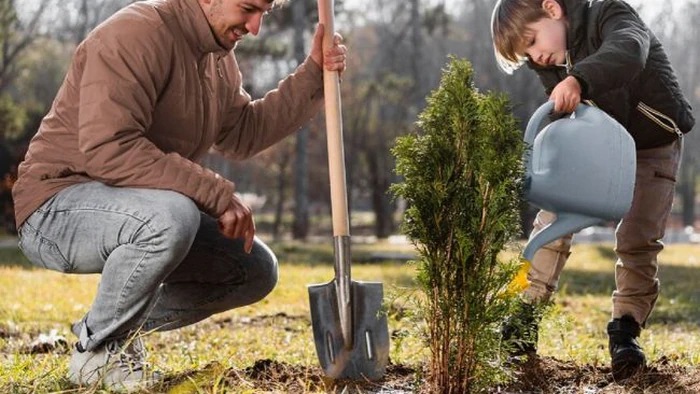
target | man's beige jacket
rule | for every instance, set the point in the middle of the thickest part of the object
(148, 93)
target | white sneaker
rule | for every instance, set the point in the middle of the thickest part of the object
(118, 365)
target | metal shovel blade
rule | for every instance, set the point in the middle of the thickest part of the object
(368, 353)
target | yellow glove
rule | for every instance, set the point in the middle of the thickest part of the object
(520, 282)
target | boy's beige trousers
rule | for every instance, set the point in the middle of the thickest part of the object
(638, 238)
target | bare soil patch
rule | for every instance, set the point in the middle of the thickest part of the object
(271, 375)
(281, 319)
(548, 375)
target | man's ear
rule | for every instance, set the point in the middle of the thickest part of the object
(553, 9)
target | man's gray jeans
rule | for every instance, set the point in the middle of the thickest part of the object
(164, 263)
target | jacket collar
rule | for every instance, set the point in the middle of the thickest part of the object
(196, 29)
(577, 19)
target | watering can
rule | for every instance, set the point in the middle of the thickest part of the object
(582, 168)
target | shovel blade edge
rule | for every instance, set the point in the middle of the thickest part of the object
(369, 355)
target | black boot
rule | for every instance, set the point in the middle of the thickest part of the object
(520, 330)
(626, 354)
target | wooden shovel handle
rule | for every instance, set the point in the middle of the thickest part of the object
(334, 128)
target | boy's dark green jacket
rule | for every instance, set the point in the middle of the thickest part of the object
(623, 69)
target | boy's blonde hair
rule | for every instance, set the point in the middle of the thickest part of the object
(508, 22)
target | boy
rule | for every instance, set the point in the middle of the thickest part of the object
(600, 51)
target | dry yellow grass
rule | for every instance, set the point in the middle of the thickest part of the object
(34, 301)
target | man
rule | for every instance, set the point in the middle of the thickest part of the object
(111, 183)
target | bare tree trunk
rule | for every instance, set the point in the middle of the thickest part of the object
(353, 148)
(380, 172)
(15, 37)
(300, 228)
(417, 53)
(687, 189)
(379, 178)
(81, 30)
(281, 189)
(687, 59)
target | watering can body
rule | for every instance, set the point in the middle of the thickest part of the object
(582, 168)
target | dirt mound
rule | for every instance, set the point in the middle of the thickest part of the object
(271, 375)
(549, 375)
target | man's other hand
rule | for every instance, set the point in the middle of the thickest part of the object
(334, 58)
(237, 222)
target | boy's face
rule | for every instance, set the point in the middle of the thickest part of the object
(230, 20)
(545, 40)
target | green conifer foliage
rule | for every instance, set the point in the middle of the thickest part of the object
(461, 183)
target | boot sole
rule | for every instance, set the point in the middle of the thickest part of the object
(626, 365)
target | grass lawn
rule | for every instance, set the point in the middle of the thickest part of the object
(269, 347)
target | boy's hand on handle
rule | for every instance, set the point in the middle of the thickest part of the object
(237, 222)
(566, 95)
(333, 59)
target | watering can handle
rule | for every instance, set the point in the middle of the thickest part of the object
(534, 126)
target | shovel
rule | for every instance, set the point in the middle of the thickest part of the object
(350, 333)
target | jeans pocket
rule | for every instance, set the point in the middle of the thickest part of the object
(42, 252)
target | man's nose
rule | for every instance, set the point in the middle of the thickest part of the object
(254, 23)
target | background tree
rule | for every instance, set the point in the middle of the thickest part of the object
(676, 28)
(397, 50)
(300, 228)
(15, 37)
(74, 19)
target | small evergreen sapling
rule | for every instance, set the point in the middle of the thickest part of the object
(461, 183)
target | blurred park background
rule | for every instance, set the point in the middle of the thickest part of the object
(397, 50)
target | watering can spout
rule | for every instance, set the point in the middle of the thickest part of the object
(565, 223)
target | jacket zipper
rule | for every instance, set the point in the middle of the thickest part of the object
(201, 70)
(660, 119)
(664, 121)
(218, 67)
